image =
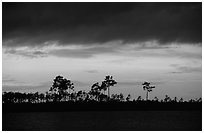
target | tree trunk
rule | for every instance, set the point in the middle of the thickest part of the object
(108, 93)
(147, 96)
(69, 95)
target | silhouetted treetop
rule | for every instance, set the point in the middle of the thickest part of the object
(148, 88)
(109, 81)
(61, 85)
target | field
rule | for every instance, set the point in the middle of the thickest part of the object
(182, 120)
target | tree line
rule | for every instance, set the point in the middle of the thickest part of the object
(62, 90)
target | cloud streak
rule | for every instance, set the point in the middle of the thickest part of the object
(83, 52)
(91, 71)
(26, 53)
(145, 49)
(185, 69)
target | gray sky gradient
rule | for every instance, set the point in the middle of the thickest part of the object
(135, 42)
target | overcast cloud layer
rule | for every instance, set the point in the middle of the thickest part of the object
(37, 24)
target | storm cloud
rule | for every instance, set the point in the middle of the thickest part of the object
(36, 24)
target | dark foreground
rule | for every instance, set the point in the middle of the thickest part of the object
(99, 106)
(174, 120)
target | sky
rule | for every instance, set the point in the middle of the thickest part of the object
(134, 42)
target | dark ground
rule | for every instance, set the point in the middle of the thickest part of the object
(174, 120)
(99, 106)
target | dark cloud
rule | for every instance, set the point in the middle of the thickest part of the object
(39, 53)
(34, 24)
(25, 53)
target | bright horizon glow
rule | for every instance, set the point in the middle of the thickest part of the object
(175, 69)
